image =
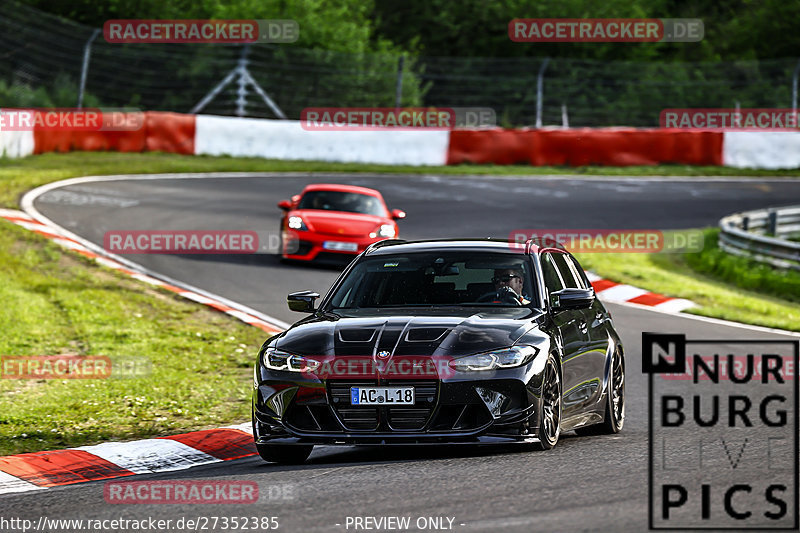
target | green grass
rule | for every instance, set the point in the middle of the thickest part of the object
(20, 175)
(744, 273)
(55, 302)
(723, 286)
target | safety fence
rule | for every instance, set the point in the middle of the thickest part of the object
(48, 61)
(290, 140)
(764, 235)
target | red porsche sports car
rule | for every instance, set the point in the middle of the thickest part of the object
(334, 222)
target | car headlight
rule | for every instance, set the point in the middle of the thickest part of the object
(275, 359)
(387, 230)
(503, 358)
(297, 223)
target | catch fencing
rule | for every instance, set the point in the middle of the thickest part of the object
(51, 62)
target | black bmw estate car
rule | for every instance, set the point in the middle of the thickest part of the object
(442, 341)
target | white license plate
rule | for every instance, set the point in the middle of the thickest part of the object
(381, 395)
(340, 246)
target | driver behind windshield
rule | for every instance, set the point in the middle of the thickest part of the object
(508, 284)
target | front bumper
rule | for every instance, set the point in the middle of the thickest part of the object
(302, 410)
(310, 246)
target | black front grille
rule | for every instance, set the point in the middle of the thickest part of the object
(359, 418)
(334, 258)
(410, 418)
(399, 418)
(304, 247)
(353, 417)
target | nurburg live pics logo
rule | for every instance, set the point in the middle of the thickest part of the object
(723, 433)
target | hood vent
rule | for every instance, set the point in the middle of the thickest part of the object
(357, 335)
(425, 334)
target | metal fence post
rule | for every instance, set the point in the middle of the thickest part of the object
(87, 49)
(243, 79)
(539, 90)
(398, 95)
(772, 223)
(241, 92)
(794, 87)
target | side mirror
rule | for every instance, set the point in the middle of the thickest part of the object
(286, 205)
(302, 301)
(398, 214)
(572, 299)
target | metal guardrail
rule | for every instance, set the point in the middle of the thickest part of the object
(762, 235)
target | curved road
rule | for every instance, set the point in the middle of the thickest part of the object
(584, 484)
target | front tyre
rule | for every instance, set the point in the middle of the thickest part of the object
(550, 419)
(285, 454)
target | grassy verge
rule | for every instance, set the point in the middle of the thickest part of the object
(20, 175)
(55, 302)
(742, 272)
(723, 286)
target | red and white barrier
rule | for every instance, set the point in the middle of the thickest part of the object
(761, 149)
(288, 140)
(165, 132)
(16, 143)
(585, 146)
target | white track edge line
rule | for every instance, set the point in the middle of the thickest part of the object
(27, 205)
(711, 320)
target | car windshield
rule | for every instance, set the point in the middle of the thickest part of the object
(436, 280)
(350, 202)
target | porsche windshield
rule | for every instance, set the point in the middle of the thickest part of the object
(350, 202)
(437, 279)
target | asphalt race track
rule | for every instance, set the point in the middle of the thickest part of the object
(437, 207)
(584, 484)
